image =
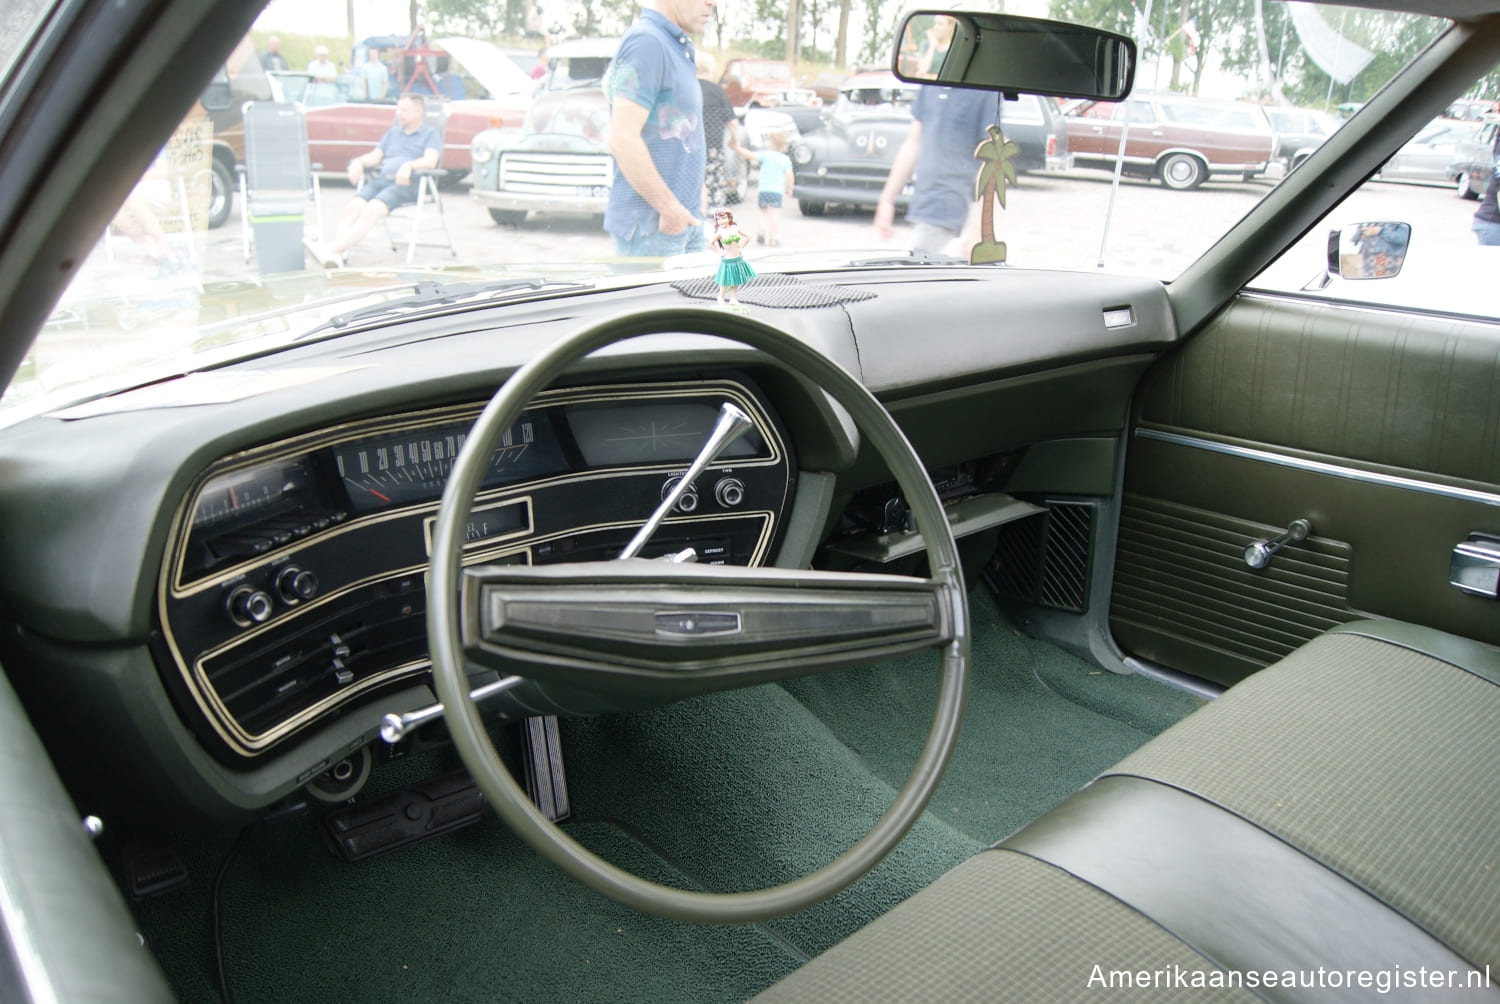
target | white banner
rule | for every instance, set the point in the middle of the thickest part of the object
(1334, 54)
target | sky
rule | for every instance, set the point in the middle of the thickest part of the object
(328, 17)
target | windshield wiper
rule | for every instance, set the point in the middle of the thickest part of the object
(914, 257)
(428, 294)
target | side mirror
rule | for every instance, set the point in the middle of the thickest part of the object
(1368, 250)
(1001, 52)
(217, 96)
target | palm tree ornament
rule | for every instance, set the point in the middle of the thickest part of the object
(997, 170)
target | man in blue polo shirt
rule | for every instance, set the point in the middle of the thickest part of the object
(408, 146)
(656, 133)
(948, 123)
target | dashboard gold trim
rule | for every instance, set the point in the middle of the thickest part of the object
(171, 585)
(335, 435)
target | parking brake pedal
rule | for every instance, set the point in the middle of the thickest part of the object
(546, 783)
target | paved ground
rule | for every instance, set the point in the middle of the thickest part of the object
(1050, 221)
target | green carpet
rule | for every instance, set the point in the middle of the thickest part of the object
(731, 791)
(1040, 723)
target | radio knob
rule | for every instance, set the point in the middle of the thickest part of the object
(294, 585)
(247, 605)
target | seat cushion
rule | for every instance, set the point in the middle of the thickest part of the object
(1000, 926)
(1374, 758)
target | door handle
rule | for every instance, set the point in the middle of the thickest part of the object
(1474, 566)
(1258, 554)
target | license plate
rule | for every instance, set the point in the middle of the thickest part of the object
(592, 191)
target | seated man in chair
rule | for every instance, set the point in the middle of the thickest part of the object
(408, 146)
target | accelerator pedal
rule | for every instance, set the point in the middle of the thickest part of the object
(546, 782)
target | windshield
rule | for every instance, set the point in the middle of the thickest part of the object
(329, 165)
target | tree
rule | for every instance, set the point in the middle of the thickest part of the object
(996, 171)
(841, 44)
(877, 33)
(481, 18)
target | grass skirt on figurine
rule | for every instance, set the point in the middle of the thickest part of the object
(734, 271)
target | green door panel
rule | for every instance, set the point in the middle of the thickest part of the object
(1184, 596)
(1400, 389)
(1381, 429)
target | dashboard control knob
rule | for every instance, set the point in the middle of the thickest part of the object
(689, 500)
(294, 585)
(247, 605)
(730, 492)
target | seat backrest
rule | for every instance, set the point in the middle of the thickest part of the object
(276, 148)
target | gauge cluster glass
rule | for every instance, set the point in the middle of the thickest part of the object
(666, 431)
(411, 466)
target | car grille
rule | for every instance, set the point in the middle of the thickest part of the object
(869, 176)
(556, 173)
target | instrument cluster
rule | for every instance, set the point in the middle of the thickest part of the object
(296, 578)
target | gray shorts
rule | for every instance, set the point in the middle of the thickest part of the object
(386, 190)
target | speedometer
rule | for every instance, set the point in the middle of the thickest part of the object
(412, 466)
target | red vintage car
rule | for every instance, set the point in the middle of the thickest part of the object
(1177, 139)
(481, 87)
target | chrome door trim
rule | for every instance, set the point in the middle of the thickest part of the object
(1323, 467)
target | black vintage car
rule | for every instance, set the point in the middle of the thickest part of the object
(847, 161)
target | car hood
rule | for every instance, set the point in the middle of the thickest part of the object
(492, 68)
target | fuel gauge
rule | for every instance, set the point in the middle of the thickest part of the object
(240, 497)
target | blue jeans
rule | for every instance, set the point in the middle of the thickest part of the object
(1487, 232)
(654, 244)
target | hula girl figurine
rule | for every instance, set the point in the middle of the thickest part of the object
(729, 240)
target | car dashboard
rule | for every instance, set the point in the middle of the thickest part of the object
(295, 579)
(227, 590)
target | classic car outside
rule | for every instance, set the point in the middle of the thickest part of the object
(1038, 126)
(1299, 131)
(847, 161)
(1474, 161)
(770, 83)
(1181, 141)
(338, 666)
(343, 123)
(559, 160)
(1429, 157)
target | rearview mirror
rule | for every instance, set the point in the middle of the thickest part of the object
(1000, 52)
(1368, 250)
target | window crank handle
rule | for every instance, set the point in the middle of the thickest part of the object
(1258, 554)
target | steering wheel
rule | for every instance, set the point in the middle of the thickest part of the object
(671, 630)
